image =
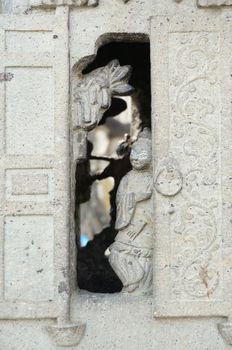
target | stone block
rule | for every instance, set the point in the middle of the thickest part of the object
(30, 111)
(28, 258)
(29, 184)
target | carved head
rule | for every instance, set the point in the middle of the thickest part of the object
(141, 151)
(94, 91)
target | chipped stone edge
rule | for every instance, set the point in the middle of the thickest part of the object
(225, 329)
(213, 3)
(40, 4)
(67, 334)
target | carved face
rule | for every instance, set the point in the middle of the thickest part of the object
(140, 156)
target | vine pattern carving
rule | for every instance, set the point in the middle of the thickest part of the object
(195, 137)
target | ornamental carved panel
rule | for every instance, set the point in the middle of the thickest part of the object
(195, 137)
(192, 159)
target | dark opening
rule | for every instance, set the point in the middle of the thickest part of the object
(98, 177)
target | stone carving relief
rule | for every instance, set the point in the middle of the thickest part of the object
(169, 179)
(131, 253)
(94, 91)
(195, 136)
(52, 3)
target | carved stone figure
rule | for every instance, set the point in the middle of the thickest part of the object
(131, 253)
(94, 91)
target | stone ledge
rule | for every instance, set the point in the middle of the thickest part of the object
(73, 3)
(214, 3)
(54, 3)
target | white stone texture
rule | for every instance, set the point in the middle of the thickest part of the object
(34, 177)
(49, 3)
(28, 258)
(209, 3)
(27, 335)
(128, 324)
(191, 125)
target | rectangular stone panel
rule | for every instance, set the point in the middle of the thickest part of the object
(28, 258)
(195, 142)
(192, 198)
(29, 41)
(29, 111)
(29, 184)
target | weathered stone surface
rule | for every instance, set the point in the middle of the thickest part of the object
(191, 123)
(134, 328)
(191, 117)
(64, 2)
(34, 152)
(214, 3)
(28, 258)
(32, 135)
(74, 3)
(29, 184)
(67, 335)
(29, 335)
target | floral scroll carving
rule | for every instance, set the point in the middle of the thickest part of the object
(195, 106)
(94, 91)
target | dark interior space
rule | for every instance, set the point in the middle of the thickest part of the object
(94, 272)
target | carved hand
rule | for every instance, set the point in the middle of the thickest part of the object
(135, 231)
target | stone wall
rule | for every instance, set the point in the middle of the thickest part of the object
(44, 47)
